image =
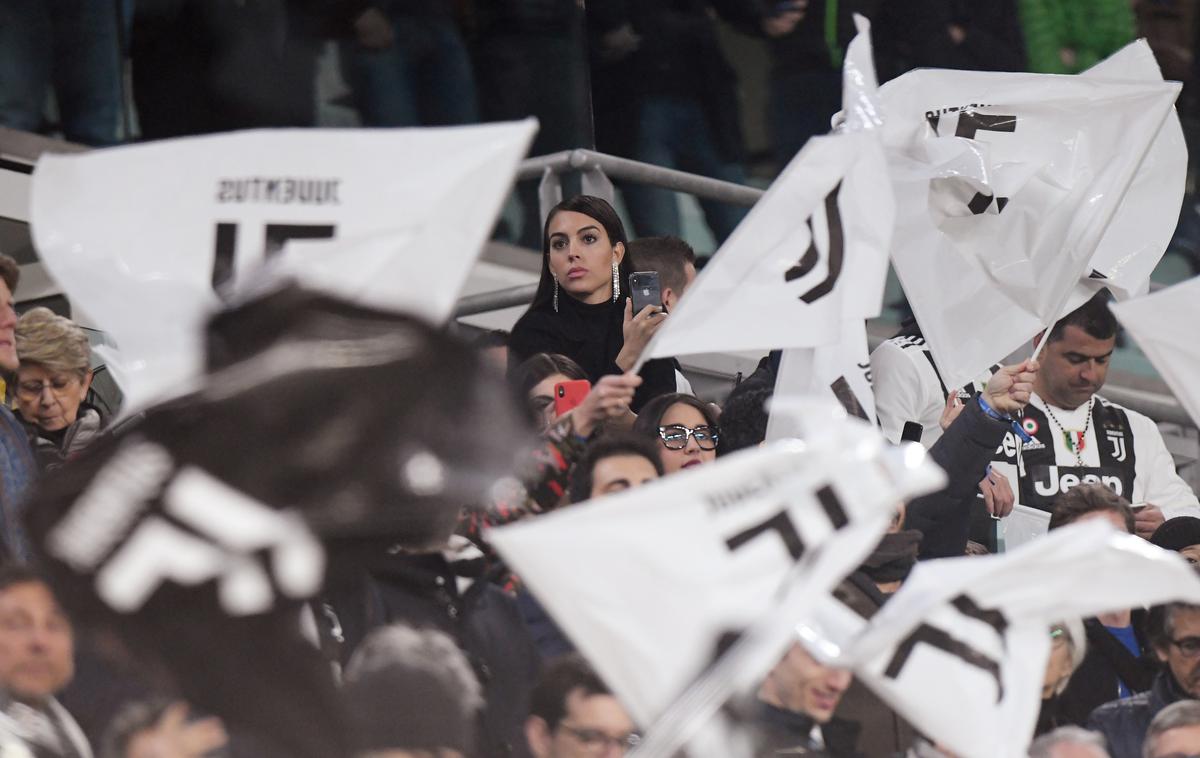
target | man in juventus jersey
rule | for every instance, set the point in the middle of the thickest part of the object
(1078, 436)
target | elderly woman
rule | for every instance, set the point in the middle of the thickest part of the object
(52, 381)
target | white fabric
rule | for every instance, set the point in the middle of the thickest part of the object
(697, 557)
(1164, 326)
(1078, 571)
(841, 373)
(1155, 480)
(907, 388)
(1065, 153)
(132, 233)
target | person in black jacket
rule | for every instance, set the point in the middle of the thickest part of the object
(579, 310)
(1174, 631)
(1119, 660)
(944, 518)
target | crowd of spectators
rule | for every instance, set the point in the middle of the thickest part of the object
(653, 80)
(437, 648)
(440, 650)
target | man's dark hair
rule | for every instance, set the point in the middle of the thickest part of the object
(10, 272)
(493, 338)
(1089, 498)
(667, 255)
(1093, 317)
(1160, 623)
(608, 445)
(558, 680)
(12, 574)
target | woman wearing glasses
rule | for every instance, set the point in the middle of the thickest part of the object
(52, 382)
(684, 426)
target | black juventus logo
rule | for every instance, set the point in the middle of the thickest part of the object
(275, 237)
(969, 124)
(837, 245)
(940, 639)
(781, 523)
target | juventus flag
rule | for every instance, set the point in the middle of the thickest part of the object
(142, 238)
(1008, 187)
(961, 650)
(812, 253)
(320, 429)
(650, 582)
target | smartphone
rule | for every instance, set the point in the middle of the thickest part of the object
(567, 395)
(645, 289)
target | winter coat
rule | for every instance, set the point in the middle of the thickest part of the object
(1124, 722)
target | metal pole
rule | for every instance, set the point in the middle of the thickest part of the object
(680, 181)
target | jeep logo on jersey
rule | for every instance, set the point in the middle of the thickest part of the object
(1051, 481)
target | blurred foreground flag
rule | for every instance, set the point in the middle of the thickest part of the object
(811, 254)
(1013, 188)
(143, 238)
(961, 650)
(651, 583)
(1164, 326)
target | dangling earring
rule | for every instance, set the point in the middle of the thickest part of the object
(555, 293)
(616, 283)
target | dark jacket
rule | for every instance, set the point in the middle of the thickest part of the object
(883, 732)
(590, 335)
(1124, 722)
(782, 732)
(915, 34)
(1107, 662)
(944, 517)
(424, 591)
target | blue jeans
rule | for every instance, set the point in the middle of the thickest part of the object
(72, 45)
(423, 79)
(674, 132)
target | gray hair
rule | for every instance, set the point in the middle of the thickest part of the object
(1174, 716)
(52, 341)
(1044, 746)
(425, 650)
(1076, 637)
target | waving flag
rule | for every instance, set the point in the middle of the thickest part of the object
(705, 553)
(1007, 186)
(811, 254)
(1163, 325)
(960, 651)
(142, 238)
(840, 372)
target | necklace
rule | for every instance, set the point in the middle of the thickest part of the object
(1075, 440)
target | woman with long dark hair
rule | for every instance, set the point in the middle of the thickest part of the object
(580, 310)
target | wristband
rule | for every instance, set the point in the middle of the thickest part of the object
(1012, 422)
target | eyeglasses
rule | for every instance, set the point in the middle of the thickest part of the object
(58, 385)
(596, 742)
(1189, 646)
(675, 436)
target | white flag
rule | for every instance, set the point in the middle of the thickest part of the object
(961, 650)
(1006, 184)
(811, 254)
(840, 372)
(141, 237)
(648, 583)
(1163, 325)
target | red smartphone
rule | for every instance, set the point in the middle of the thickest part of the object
(567, 395)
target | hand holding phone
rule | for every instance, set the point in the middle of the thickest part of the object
(645, 289)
